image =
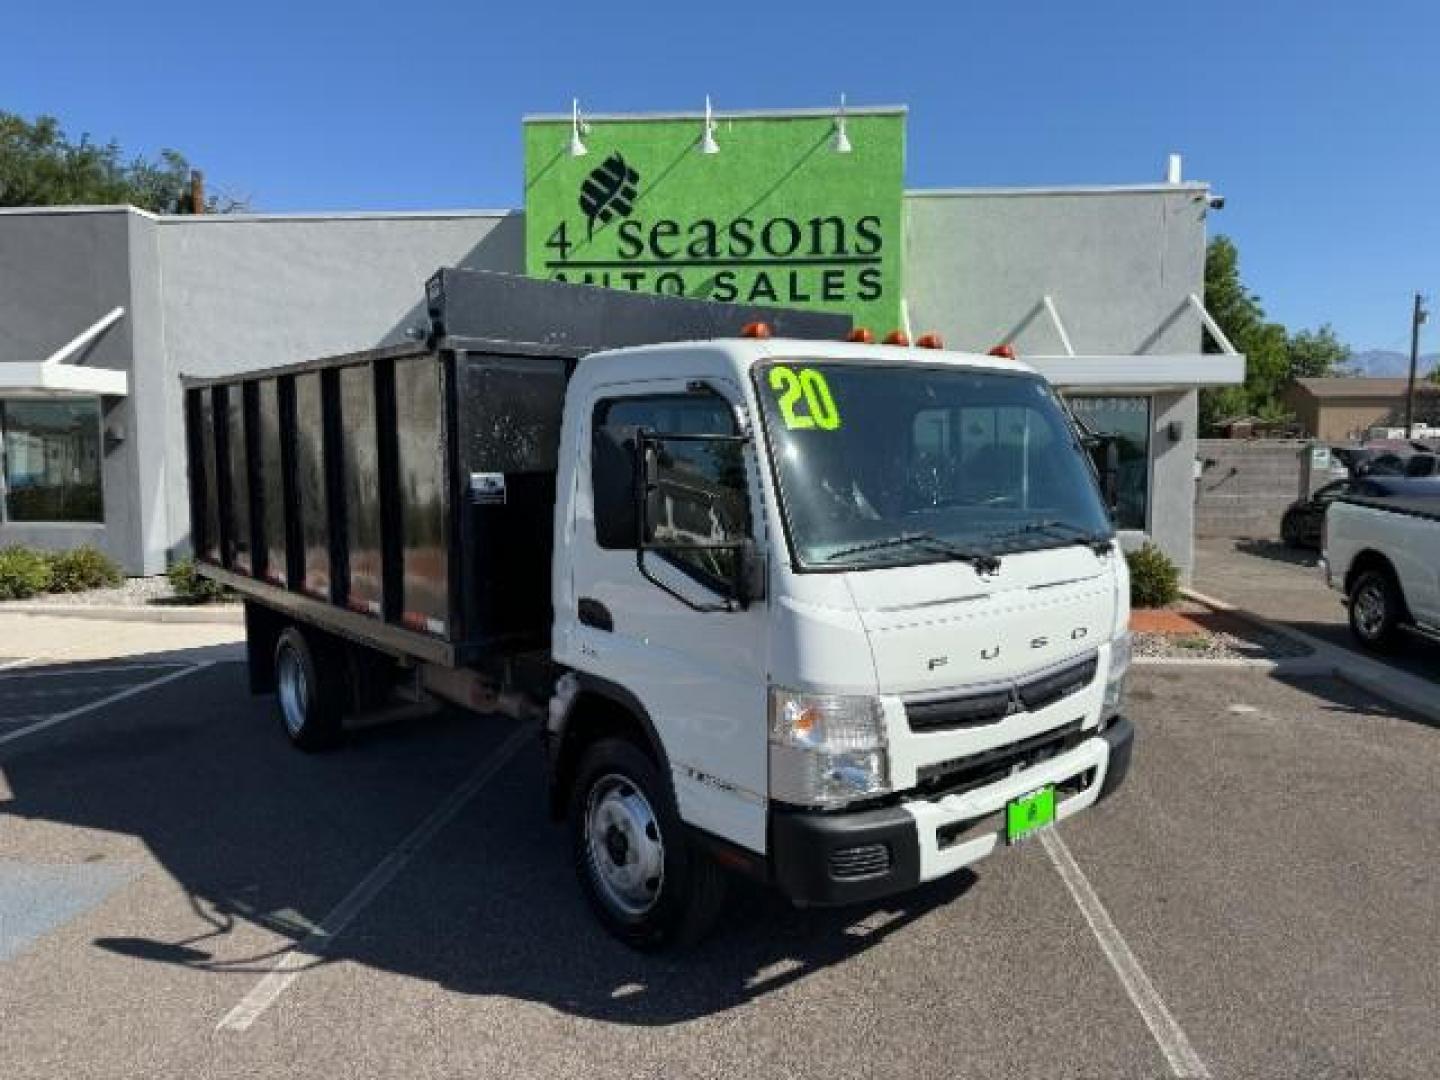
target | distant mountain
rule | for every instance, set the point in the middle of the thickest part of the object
(1385, 363)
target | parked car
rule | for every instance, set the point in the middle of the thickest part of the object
(1387, 464)
(1384, 556)
(1422, 465)
(1301, 524)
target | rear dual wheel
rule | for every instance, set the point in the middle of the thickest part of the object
(309, 689)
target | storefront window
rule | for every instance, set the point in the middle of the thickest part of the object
(52, 460)
(1129, 418)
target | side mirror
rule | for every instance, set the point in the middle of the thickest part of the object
(1105, 457)
(1110, 476)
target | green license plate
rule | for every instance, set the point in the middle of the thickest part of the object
(1029, 813)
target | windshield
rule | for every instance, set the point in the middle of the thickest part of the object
(890, 465)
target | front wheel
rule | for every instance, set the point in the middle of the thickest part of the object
(648, 884)
(1375, 610)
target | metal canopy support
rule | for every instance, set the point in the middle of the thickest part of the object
(1059, 326)
(1212, 326)
(85, 337)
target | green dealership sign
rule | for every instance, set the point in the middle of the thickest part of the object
(776, 214)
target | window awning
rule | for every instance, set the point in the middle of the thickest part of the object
(56, 377)
(1147, 372)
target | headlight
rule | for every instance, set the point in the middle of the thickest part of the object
(1120, 651)
(826, 749)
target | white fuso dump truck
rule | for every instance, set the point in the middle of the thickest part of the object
(840, 616)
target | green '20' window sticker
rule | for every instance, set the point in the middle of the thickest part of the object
(791, 386)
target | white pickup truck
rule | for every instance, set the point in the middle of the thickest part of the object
(1383, 554)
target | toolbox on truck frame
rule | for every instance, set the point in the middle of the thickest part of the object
(403, 497)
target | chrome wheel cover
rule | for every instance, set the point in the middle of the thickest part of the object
(1369, 607)
(623, 846)
(293, 690)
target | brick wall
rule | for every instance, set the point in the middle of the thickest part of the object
(1245, 486)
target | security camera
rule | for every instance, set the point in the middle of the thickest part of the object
(1216, 202)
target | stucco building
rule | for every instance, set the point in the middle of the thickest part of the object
(103, 308)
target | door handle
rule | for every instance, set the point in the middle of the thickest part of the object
(594, 614)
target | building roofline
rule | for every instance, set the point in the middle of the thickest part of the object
(42, 211)
(827, 112)
(330, 215)
(232, 219)
(1159, 188)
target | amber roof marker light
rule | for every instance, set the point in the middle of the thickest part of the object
(930, 341)
(861, 335)
(757, 330)
(897, 337)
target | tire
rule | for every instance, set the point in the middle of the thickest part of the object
(1290, 531)
(309, 690)
(647, 884)
(1376, 610)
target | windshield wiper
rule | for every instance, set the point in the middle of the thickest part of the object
(983, 563)
(1096, 542)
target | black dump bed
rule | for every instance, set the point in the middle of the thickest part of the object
(404, 497)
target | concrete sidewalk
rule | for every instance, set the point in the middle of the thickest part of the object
(42, 639)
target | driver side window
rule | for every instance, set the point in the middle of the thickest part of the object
(703, 495)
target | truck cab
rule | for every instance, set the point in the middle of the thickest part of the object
(845, 617)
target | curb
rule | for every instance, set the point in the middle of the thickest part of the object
(227, 616)
(1391, 684)
(1289, 665)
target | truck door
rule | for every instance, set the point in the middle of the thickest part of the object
(663, 625)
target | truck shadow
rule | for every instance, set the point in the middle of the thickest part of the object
(259, 835)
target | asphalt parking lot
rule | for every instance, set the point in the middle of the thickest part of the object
(1269, 871)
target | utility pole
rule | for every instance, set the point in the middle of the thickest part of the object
(1418, 317)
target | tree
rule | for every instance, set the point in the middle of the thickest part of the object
(41, 166)
(1317, 353)
(1273, 356)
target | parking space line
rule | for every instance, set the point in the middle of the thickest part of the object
(73, 668)
(119, 695)
(292, 964)
(1184, 1061)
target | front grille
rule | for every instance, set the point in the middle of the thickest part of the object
(991, 704)
(1047, 689)
(977, 770)
(867, 860)
(949, 714)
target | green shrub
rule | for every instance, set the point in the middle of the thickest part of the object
(1154, 579)
(23, 573)
(83, 568)
(190, 587)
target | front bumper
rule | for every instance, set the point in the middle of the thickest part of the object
(843, 858)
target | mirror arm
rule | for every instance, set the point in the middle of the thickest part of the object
(724, 605)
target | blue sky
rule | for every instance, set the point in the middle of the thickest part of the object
(1318, 122)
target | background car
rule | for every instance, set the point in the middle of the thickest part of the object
(1300, 525)
(1422, 465)
(1303, 519)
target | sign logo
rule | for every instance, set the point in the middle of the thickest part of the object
(775, 217)
(608, 191)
